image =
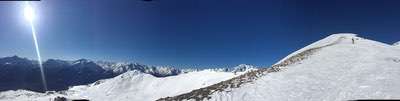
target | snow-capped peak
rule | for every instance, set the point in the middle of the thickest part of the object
(338, 67)
(130, 74)
(146, 87)
(121, 67)
(243, 68)
(82, 61)
(396, 44)
(330, 40)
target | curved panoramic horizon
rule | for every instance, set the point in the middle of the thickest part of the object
(199, 50)
(199, 34)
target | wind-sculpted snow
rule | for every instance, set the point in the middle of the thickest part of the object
(331, 69)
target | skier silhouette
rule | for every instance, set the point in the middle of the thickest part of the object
(352, 40)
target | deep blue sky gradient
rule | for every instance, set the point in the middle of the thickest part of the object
(190, 33)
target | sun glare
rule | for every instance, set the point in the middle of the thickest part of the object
(29, 13)
(30, 16)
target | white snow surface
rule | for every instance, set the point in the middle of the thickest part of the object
(25, 95)
(323, 42)
(130, 86)
(343, 71)
(136, 86)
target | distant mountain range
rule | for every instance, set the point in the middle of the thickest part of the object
(22, 73)
(396, 44)
(338, 67)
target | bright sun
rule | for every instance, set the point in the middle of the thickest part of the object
(29, 13)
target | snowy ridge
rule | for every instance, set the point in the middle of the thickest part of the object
(161, 71)
(120, 67)
(330, 40)
(260, 86)
(203, 93)
(134, 81)
(334, 68)
(25, 95)
(345, 71)
(137, 86)
(61, 73)
(312, 48)
(130, 86)
(147, 87)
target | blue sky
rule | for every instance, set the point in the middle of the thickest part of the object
(190, 33)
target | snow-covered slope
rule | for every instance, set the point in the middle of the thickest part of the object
(25, 95)
(139, 80)
(137, 86)
(130, 86)
(332, 39)
(330, 69)
(333, 68)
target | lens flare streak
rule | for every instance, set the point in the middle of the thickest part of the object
(29, 14)
(39, 57)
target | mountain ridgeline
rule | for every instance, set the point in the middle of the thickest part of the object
(339, 67)
(21, 73)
